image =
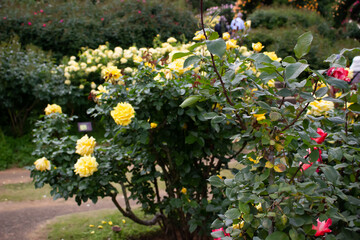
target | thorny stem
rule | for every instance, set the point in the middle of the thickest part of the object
(346, 117)
(302, 110)
(216, 71)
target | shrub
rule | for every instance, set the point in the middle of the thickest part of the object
(28, 77)
(66, 26)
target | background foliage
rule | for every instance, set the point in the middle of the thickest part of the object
(63, 27)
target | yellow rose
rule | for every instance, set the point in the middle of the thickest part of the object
(111, 74)
(260, 116)
(199, 36)
(257, 46)
(272, 56)
(184, 190)
(231, 44)
(320, 107)
(85, 145)
(153, 125)
(86, 166)
(53, 108)
(226, 36)
(256, 161)
(110, 223)
(100, 227)
(103, 222)
(171, 40)
(123, 113)
(42, 164)
(91, 225)
(271, 83)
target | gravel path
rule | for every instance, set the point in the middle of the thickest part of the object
(19, 219)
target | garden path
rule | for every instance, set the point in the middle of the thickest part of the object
(19, 220)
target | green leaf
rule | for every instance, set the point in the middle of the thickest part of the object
(217, 119)
(355, 107)
(275, 116)
(285, 92)
(337, 83)
(217, 234)
(180, 55)
(277, 236)
(314, 155)
(191, 60)
(321, 92)
(210, 115)
(335, 154)
(244, 208)
(216, 181)
(336, 120)
(190, 101)
(289, 59)
(233, 213)
(303, 44)
(297, 221)
(292, 71)
(217, 46)
(330, 173)
(192, 47)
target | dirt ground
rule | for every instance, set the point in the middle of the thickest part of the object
(21, 220)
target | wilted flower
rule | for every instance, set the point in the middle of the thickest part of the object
(53, 108)
(42, 164)
(85, 145)
(86, 166)
(116, 228)
(123, 113)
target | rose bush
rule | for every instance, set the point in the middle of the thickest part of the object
(299, 165)
(174, 123)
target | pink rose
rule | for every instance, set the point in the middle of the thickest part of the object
(29, 23)
(307, 165)
(220, 229)
(339, 73)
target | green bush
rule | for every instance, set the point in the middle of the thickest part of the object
(65, 26)
(277, 29)
(28, 78)
(15, 151)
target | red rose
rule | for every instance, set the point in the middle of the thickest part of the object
(322, 137)
(322, 227)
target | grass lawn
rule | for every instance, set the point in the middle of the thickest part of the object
(96, 225)
(23, 192)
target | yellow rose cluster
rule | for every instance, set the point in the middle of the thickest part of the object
(53, 108)
(42, 164)
(123, 113)
(111, 74)
(320, 107)
(86, 166)
(85, 145)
